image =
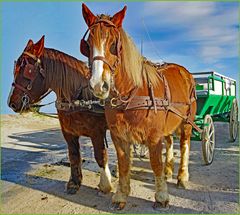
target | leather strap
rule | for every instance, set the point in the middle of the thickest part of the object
(33, 57)
(142, 102)
(105, 61)
(20, 87)
(80, 105)
(151, 102)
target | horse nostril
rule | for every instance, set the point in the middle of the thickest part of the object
(105, 87)
(13, 106)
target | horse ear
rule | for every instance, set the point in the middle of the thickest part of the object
(88, 16)
(39, 47)
(117, 19)
(29, 44)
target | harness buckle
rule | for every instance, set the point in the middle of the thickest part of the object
(113, 102)
(29, 86)
(165, 103)
(102, 102)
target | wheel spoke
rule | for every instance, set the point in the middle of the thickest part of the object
(211, 146)
(210, 135)
(209, 156)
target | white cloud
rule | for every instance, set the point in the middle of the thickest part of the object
(180, 13)
(209, 25)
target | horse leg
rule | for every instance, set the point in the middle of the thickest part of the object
(169, 162)
(183, 174)
(75, 180)
(161, 195)
(124, 154)
(101, 157)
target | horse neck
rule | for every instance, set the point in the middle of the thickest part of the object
(135, 70)
(123, 87)
(65, 75)
(130, 66)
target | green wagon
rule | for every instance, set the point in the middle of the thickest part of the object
(216, 101)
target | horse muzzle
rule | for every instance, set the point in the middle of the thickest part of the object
(100, 89)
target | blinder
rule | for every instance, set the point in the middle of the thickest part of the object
(84, 48)
(30, 72)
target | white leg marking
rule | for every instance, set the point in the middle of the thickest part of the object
(105, 179)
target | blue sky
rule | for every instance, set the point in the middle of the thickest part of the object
(201, 36)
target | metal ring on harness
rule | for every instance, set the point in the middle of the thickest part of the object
(113, 102)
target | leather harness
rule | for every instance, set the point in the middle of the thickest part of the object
(95, 107)
(133, 102)
(151, 102)
(30, 73)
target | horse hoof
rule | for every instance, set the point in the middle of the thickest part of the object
(72, 191)
(182, 184)
(72, 188)
(161, 205)
(117, 206)
(105, 189)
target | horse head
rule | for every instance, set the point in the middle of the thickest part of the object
(103, 48)
(28, 84)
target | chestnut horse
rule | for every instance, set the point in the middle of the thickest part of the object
(39, 69)
(144, 101)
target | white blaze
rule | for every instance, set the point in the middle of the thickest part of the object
(97, 66)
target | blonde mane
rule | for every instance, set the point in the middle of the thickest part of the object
(138, 69)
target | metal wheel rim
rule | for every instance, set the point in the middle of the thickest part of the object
(209, 139)
(234, 120)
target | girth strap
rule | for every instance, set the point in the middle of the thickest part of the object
(185, 117)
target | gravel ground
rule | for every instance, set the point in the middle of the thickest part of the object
(35, 170)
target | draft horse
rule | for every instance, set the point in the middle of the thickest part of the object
(145, 102)
(39, 69)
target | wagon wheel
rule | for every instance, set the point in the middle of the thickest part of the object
(233, 122)
(208, 140)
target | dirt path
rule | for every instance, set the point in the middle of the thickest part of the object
(34, 177)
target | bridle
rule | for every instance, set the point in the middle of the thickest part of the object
(85, 48)
(30, 72)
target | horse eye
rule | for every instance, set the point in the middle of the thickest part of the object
(113, 49)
